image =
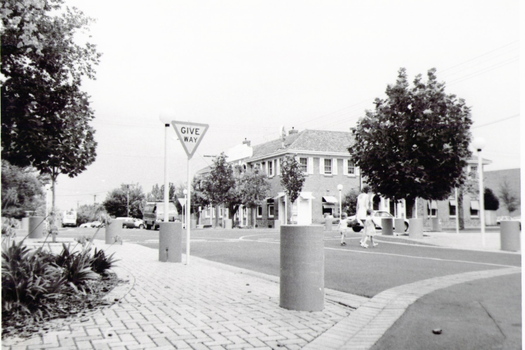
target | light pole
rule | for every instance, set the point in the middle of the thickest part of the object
(166, 117)
(340, 188)
(478, 144)
(184, 214)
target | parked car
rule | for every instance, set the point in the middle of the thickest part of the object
(377, 215)
(128, 222)
(92, 224)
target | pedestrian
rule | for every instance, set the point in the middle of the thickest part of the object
(362, 206)
(343, 226)
(369, 230)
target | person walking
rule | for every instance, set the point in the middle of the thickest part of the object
(343, 226)
(362, 206)
(369, 230)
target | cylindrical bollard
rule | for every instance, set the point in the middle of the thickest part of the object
(113, 229)
(170, 242)
(328, 223)
(25, 223)
(436, 225)
(277, 224)
(36, 227)
(510, 236)
(387, 225)
(193, 224)
(228, 224)
(302, 268)
(415, 229)
(399, 224)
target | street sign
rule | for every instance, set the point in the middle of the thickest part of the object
(190, 135)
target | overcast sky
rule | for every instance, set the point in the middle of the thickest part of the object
(248, 68)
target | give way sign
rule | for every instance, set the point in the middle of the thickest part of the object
(190, 135)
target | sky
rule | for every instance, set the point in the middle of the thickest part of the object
(250, 68)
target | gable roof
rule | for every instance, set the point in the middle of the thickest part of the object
(320, 142)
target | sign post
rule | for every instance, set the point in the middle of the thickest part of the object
(190, 136)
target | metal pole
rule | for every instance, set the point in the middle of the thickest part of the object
(481, 198)
(166, 189)
(457, 209)
(188, 205)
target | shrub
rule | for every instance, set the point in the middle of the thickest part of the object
(76, 267)
(101, 263)
(28, 281)
(490, 200)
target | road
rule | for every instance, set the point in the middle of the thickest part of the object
(350, 268)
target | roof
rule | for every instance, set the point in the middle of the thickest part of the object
(306, 141)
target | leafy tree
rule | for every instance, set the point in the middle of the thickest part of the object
(21, 190)
(90, 212)
(117, 201)
(220, 186)
(349, 202)
(292, 179)
(45, 115)
(254, 188)
(509, 199)
(415, 142)
(491, 202)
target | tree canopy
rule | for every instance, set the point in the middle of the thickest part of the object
(415, 142)
(45, 115)
(292, 177)
(117, 201)
(253, 188)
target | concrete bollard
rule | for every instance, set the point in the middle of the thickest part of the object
(328, 223)
(510, 236)
(25, 223)
(277, 224)
(36, 227)
(302, 268)
(113, 229)
(170, 242)
(387, 225)
(193, 224)
(399, 225)
(436, 224)
(415, 229)
(228, 224)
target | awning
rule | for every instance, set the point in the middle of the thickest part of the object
(306, 195)
(329, 199)
(474, 205)
(432, 205)
(269, 200)
(453, 202)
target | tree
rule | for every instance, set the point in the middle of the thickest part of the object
(21, 190)
(510, 201)
(292, 179)
(118, 201)
(415, 142)
(45, 115)
(220, 186)
(491, 202)
(254, 188)
(350, 202)
(89, 213)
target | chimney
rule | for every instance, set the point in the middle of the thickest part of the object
(247, 142)
(293, 131)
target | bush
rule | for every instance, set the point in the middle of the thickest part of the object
(34, 281)
(490, 200)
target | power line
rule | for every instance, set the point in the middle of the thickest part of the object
(496, 121)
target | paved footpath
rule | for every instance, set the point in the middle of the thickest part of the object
(207, 305)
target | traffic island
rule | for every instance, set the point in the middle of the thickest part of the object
(302, 268)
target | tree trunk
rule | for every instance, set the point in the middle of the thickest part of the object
(410, 203)
(459, 210)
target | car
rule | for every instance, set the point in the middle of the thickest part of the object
(377, 215)
(128, 222)
(499, 219)
(92, 224)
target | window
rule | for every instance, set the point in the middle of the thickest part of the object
(350, 167)
(328, 167)
(270, 168)
(259, 211)
(474, 209)
(452, 208)
(303, 162)
(271, 211)
(432, 209)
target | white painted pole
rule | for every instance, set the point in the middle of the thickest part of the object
(188, 206)
(166, 186)
(481, 198)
